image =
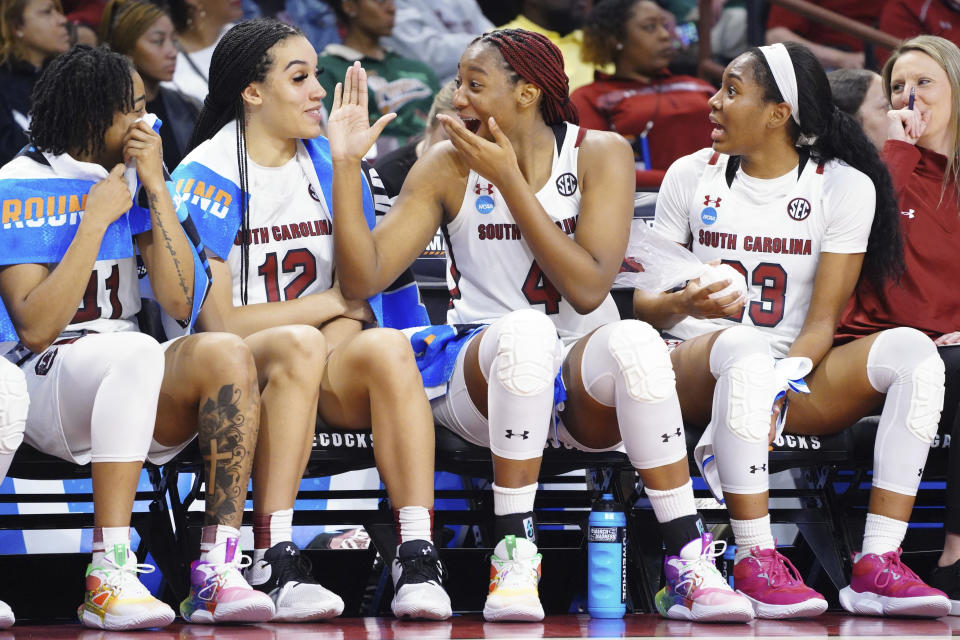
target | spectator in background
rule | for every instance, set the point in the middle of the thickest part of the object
(83, 17)
(728, 37)
(143, 32)
(396, 84)
(200, 24)
(859, 93)
(560, 22)
(834, 49)
(922, 153)
(907, 18)
(663, 116)
(31, 32)
(436, 32)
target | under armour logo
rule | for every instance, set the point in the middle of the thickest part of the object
(666, 436)
(288, 549)
(425, 550)
(477, 189)
(707, 201)
(909, 213)
(920, 473)
(754, 468)
(524, 435)
(313, 193)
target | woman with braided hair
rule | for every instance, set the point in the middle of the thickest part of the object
(536, 213)
(257, 180)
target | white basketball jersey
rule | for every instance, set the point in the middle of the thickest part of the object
(111, 299)
(490, 269)
(291, 235)
(772, 231)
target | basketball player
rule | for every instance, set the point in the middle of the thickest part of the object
(273, 274)
(100, 390)
(794, 197)
(536, 212)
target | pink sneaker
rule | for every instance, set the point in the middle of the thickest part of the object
(695, 589)
(884, 586)
(774, 587)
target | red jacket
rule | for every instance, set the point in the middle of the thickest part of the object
(926, 297)
(677, 106)
(907, 18)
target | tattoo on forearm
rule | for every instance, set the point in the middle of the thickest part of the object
(227, 448)
(168, 243)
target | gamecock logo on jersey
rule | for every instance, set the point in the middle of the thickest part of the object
(799, 209)
(567, 184)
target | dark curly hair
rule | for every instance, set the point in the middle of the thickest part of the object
(241, 57)
(605, 26)
(840, 137)
(76, 98)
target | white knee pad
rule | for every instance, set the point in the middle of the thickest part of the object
(643, 359)
(523, 351)
(745, 391)
(908, 358)
(14, 403)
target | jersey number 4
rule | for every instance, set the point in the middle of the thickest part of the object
(538, 289)
(772, 281)
(294, 261)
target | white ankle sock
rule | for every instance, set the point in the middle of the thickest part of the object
(414, 523)
(751, 533)
(508, 500)
(882, 534)
(213, 535)
(104, 539)
(670, 504)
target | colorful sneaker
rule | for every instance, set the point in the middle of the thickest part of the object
(883, 586)
(418, 577)
(6, 615)
(116, 599)
(774, 586)
(514, 576)
(696, 590)
(947, 579)
(286, 576)
(218, 593)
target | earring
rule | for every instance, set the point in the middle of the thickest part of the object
(19, 34)
(619, 46)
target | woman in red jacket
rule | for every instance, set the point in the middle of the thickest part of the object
(922, 152)
(664, 117)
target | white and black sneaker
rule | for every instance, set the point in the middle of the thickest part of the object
(418, 577)
(286, 576)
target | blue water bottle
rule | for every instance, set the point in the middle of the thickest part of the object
(607, 559)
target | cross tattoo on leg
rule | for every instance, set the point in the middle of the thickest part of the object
(212, 458)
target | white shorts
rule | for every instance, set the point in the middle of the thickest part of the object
(49, 426)
(456, 411)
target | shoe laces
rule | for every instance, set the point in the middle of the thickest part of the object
(893, 569)
(421, 568)
(520, 572)
(702, 571)
(122, 579)
(227, 575)
(297, 569)
(778, 569)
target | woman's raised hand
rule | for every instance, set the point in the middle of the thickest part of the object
(348, 129)
(495, 160)
(905, 124)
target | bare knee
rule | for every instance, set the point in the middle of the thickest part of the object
(223, 358)
(385, 354)
(297, 356)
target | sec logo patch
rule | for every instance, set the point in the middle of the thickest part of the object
(567, 184)
(799, 209)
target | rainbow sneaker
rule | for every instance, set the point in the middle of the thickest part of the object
(514, 576)
(882, 585)
(6, 615)
(696, 590)
(116, 599)
(774, 586)
(218, 592)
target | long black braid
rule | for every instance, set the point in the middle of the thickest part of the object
(240, 58)
(839, 136)
(76, 98)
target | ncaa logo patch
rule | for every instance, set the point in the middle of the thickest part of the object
(799, 209)
(567, 184)
(484, 204)
(708, 216)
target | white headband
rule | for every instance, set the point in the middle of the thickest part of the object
(781, 66)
